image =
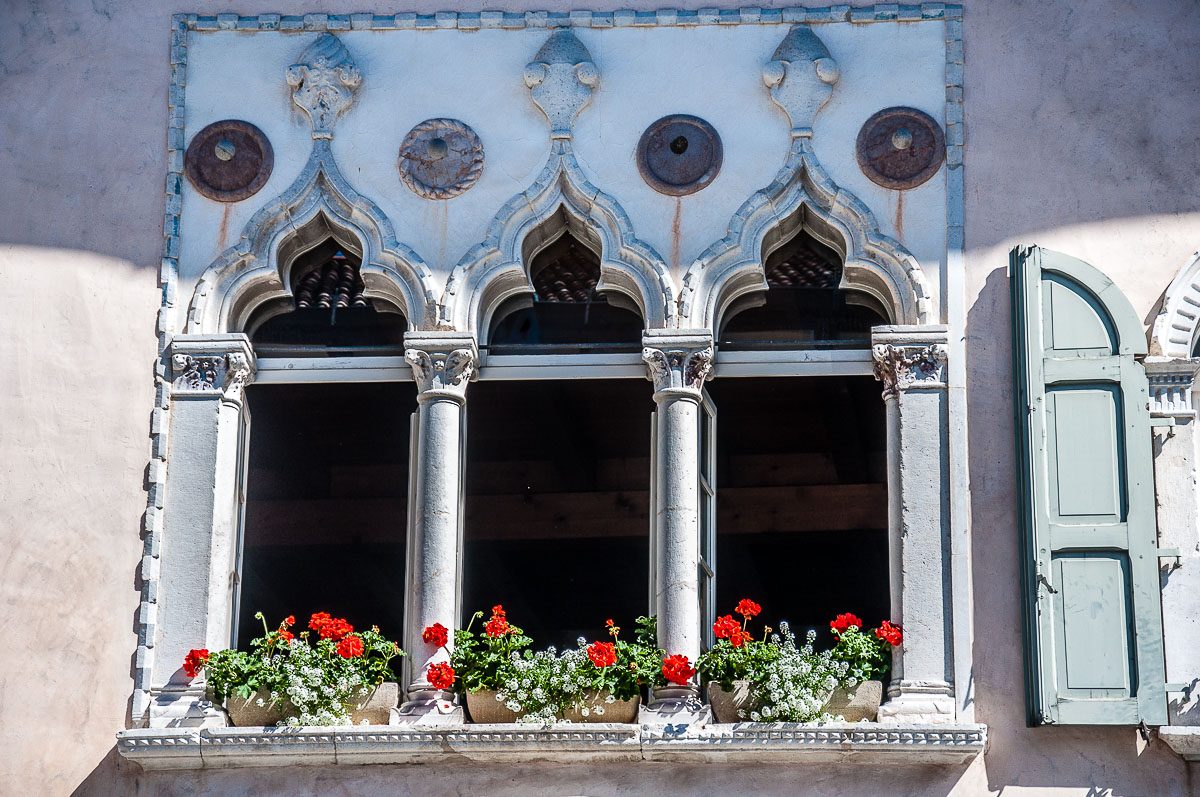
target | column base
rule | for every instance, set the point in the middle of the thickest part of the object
(184, 708)
(678, 708)
(428, 708)
(919, 702)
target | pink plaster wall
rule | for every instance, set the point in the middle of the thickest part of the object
(1081, 121)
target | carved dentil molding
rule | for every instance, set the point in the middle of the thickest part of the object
(902, 367)
(445, 371)
(561, 78)
(323, 82)
(678, 369)
(1170, 382)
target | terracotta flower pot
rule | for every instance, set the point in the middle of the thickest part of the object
(484, 707)
(376, 708)
(862, 704)
(726, 706)
(617, 711)
(246, 713)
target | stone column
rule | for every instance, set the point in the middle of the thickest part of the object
(911, 363)
(1171, 383)
(442, 364)
(678, 362)
(200, 525)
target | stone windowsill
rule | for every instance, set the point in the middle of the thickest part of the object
(1183, 739)
(192, 748)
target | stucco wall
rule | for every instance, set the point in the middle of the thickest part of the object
(1081, 123)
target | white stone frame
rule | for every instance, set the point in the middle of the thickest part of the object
(340, 207)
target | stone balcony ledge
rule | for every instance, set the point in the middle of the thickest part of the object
(748, 742)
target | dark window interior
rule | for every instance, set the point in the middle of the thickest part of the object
(557, 523)
(327, 504)
(567, 315)
(804, 307)
(802, 499)
(329, 316)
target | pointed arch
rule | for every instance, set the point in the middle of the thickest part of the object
(803, 196)
(561, 199)
(318, 206)
(1177, 326)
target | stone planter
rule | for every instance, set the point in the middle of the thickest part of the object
(484, 707)
(617, 711)
(726, 706)
(862, 705)
(375, 708)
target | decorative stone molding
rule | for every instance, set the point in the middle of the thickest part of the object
(323, 82)
(678, 362)
(800, 77)
(442, 364)
(1177, 325)
(803, 197)
(441, 158)
(926, 702)
(203, 364)
(560, 79)
(320, 204)
(1171, 386)
(162, 749)
(908, 367)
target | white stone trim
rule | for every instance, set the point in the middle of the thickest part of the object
(1178, 322)
(1184, 740)
(218, 748)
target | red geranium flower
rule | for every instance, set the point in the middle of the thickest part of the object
(613, 630)
(441, 675)
(740, 638)
(334, 628)
(291, 620)
(288, 635)
(350, 647)
(436, 634)
(602, 654)
(194, 662)
(748, 608)
(889, 633)
(725, 627)
(843, 622)
(498, 625)
(677, 669)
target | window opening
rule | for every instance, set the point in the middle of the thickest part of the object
(804, 307)
(327, 504)
(802, 498)
(557, 504)
(566, 314)
(329, 313)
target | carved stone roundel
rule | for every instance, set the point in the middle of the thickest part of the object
(679, 155)
(900, 148)
(229, 160)
(441, 158)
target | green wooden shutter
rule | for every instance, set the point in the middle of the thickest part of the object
(1086, 493)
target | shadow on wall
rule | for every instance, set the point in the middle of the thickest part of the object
(1111, 760)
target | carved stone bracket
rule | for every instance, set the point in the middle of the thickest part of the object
(1171, 383)
(202, 364)
(800, 76)
(908, 367)
(323, 82)
(561, 78)
(678, 362)
(442, 365)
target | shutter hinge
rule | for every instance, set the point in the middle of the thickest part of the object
(1169, 553)
(1046, 583)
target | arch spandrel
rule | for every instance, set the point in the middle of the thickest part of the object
(1177, 326)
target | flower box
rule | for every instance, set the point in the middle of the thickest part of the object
(862, 704)
(728, 706)
(610, 711)
(484, 707)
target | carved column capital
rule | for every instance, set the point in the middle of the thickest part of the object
(211, 365)
(442, 364)
(1171, 383)
(677, 364)
(909, 357)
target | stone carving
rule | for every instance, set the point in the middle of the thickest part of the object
(900, 148)
(196, 373)
(324, 82)
(441, 370)
(1176, 327)
(800, 75)
(441, 158)
(1171, 386)
(561, 78)
(905, 367)
(678, 369)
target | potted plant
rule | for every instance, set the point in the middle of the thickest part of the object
(480, 663)
(610, 690)
(729, 665)
(341, 678)
(868, 657)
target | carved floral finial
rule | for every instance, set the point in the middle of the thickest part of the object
(324, 82)
(561, 78)
(800, 75)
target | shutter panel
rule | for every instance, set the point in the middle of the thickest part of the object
(707, 495)
(1086, 497)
